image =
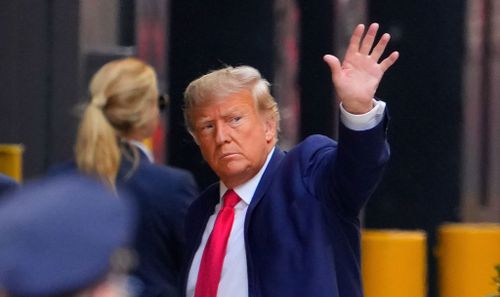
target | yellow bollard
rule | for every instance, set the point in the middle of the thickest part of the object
(394, 263)
(467, 255)
(11, 160)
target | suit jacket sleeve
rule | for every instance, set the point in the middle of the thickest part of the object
(346, 174)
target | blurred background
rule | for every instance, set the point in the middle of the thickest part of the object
(443, 94)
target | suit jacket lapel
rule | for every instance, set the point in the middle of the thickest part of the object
(265, 181)
(262, 187)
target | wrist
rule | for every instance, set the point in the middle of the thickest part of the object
(358, 108)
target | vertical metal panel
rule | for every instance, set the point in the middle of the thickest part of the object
(481, 131)
(495, 113)
(152, 35)
(316, 90)
(63, 79)
(98, 24)
(8, 72)
(285, 86)
(347, 14)
(24, 60)
(152, 46)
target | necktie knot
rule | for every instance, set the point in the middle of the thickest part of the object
(230, 199)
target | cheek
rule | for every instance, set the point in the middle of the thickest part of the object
(260, 132)
(207, 149)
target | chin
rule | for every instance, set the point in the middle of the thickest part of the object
(235, 177)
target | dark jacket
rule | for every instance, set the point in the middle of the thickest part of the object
(302, 232)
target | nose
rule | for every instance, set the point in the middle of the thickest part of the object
(222, 134)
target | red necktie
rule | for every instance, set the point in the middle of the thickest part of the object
(215, 250)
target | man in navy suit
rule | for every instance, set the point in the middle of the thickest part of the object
(284, 224)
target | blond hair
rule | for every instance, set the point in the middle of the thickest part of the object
(218, 84)
(122, 93)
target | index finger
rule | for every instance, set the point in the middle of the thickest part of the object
(355, 40)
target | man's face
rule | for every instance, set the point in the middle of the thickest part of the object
(234, 138)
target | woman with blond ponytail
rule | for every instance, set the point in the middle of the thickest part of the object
(124, 110)
(123, 106)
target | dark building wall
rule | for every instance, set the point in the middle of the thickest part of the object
(64, 79)
(424, 94)
(24, 89)
(315, 82)
(39, 77)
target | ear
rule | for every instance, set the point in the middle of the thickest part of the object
(270, 129)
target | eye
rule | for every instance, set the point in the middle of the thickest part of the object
(236, 119)
(205, 127)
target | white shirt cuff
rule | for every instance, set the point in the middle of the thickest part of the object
(361, 122)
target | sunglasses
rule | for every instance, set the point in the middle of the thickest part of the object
(163, 100)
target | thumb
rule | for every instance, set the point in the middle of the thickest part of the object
(334, 64)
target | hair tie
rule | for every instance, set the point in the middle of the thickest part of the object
(98, 101)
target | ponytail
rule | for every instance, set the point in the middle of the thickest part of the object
(97, 151)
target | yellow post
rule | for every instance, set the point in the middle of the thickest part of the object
(11, 160)
(394, 263)
(467, 255)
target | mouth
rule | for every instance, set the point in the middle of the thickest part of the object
(228, 155)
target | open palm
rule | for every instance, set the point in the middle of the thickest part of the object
(359, 75)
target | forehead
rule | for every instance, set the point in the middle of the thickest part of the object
(242, 100)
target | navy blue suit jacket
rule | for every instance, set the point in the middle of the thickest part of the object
(7, 184)
(162, 195)
(302, 232)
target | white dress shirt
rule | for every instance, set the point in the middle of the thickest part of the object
(234, 278)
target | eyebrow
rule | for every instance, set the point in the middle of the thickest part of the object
(235, 109)
(203, 120)
(240, 109)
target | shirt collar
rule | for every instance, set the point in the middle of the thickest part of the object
(144, 149)
(247, 189)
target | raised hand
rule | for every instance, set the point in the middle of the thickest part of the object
(359, 75)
